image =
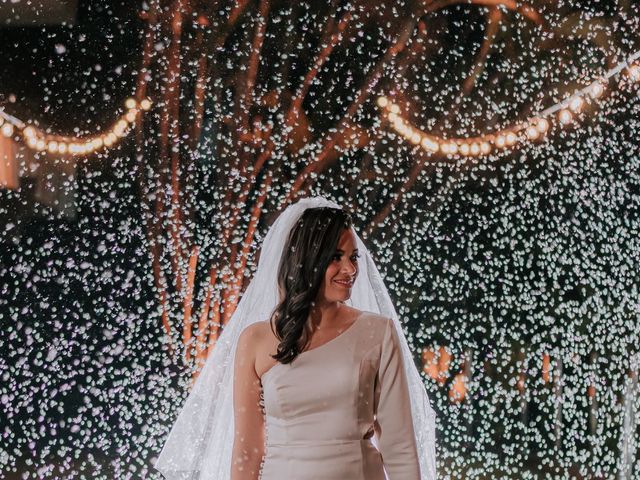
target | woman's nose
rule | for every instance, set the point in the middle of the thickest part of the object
(349, 268)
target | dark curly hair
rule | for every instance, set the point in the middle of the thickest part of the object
(309, 249)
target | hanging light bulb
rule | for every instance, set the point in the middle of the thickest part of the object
(7, 129)
(501, 140)
(485, 148)
(130, 103)
(512, 138)
(565, 116)
(29, 132)
(145, 104)
(542, 125)
(131, 115)
(429, 144)
(576, 104)
(597, 89)
(532, 132)
(383, 102)
(464, 149)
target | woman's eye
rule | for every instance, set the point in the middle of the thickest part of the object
(338, 255)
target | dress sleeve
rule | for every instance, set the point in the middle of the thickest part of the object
(393, 422)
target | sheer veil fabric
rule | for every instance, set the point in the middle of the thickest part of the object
(200, 442)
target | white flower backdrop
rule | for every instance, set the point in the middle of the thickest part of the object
(514, 266)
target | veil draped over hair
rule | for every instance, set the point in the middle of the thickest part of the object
(200, 443)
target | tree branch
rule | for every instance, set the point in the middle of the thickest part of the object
(494, 17)
(319, 163)
(522, 8)
(253, 63)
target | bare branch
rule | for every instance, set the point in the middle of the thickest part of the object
(397, 196)
(319, 163)
(494, 17)
(253, 63)
(187, 304)
(321, 59)
(522, 8)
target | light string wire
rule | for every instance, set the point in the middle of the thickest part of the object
(40, 141)
(534, 129)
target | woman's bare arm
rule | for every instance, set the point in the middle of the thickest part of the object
(248, 443)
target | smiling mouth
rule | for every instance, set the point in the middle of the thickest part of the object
(344, 284)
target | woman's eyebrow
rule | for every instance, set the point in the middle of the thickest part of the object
(342, 251)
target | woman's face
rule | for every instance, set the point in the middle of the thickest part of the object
(342, 271)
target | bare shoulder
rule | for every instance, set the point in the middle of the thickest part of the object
(260, 334)
(250, 333)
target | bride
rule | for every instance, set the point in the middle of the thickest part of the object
(312, 378)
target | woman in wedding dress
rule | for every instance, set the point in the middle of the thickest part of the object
(321, 382)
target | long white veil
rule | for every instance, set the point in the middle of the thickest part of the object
(200, 442)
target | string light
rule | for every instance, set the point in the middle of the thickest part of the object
(56, 144)
(533, 129)
(565, 117)
(7, 129)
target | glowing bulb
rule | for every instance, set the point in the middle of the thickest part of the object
(382, 102)
(109, 139)
(96, 143)
(464, 149)
(453, 148)
(501, 141)
(485, 148)
(29, 132)
(511, 138)
(475, 149)
(532, 132)
(596, 90)
(52, 146)
(62, 147)
(542, 125)
(130, 103)
(565, 116)
(7, 129)
(73, 148)
(41, 145)
(32, 141)
(131, 115)
(392, 117)
(430, 145)
(416, 138)
(576, 104)
(394, 108)
(145, 104)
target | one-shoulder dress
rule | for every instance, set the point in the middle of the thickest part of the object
(322, 410)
